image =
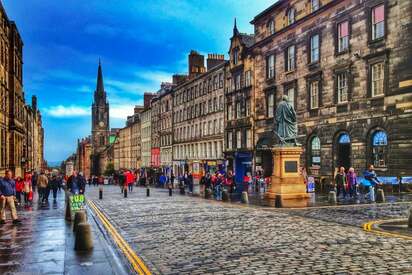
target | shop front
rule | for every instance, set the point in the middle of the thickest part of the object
(243, 168)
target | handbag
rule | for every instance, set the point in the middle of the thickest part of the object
(31, 196)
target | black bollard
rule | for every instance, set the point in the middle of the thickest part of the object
(125, 192)
(100, 193)
(170, 192)
(148, 192)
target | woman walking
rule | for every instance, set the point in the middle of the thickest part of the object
(352, 182)
(28, 190)
(19, 189)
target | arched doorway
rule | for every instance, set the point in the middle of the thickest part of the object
(344, 151)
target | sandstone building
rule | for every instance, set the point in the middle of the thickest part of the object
(21, 131)
(198, 121)
(239, 106)
(346, 67)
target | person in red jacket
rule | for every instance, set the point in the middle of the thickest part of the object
(19, 189)
(129, 180)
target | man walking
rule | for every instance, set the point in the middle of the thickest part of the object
(7, 196)
(42, 183)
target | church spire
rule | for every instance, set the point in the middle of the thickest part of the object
(100, 86)
(235, 30)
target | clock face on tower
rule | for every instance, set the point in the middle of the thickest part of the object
(101, 124)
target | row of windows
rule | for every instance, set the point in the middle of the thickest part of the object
(343, 89)
(239, 81)
(165, 140)
(240, 109)
(238, 139)
(199, 109)
(291, 16)
(204, 150)
(342, 39)
(212, 84)
(199, 130)
(378, 152)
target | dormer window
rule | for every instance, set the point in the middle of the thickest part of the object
(271, 27)
(235, 56)
(314, 5)
(291, 16)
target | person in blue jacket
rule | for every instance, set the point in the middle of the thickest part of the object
(371, 177)
(7, 197)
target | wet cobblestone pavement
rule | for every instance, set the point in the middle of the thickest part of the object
(43, 244)
(187, 235)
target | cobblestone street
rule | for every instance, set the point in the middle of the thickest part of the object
(188, 235)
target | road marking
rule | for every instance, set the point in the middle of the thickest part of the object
(368, 227)
(137, 263)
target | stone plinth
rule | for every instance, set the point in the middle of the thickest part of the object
(287, 188)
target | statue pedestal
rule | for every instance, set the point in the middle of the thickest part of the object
(288, 188)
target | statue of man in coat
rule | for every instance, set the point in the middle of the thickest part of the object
(286, 124)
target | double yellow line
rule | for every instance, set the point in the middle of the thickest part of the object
(137, 263)
(368, 227)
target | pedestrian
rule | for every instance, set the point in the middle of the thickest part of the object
(374, 183)
(81, 182)
(341, 182)
(230, 182)
(72, 183)
(94, 180)
(218, 187)
(54, 186)
(34, 181)
(121, 180)
(7, 197)
(190, 182)
(42, 183)
(19, 189)
(162, 180)
(28, 190)
(172, 180)
(60, 182)
(129, 180)
(352, 182)
(89, 181)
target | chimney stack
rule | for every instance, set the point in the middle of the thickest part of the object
(214, 59)
(196, 64)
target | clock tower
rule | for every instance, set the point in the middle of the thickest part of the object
(100, 124)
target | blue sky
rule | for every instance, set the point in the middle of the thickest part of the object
(140, 42)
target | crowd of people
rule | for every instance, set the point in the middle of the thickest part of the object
(347, 185)
(20, 191)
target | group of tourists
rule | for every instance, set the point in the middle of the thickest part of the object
(20, 191)
(347, 184)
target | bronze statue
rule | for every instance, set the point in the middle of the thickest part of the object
(286, 124)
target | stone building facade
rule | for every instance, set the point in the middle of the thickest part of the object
(83, 157)
(20, 123)
(198, 117)
(346, 67)
(165, 124)
(146, 130)
(239, 106)
(155, 129)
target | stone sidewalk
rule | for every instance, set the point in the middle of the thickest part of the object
(44, 242)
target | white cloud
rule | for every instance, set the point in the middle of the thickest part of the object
(67, 111)
(121, 111)
(117, 111)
